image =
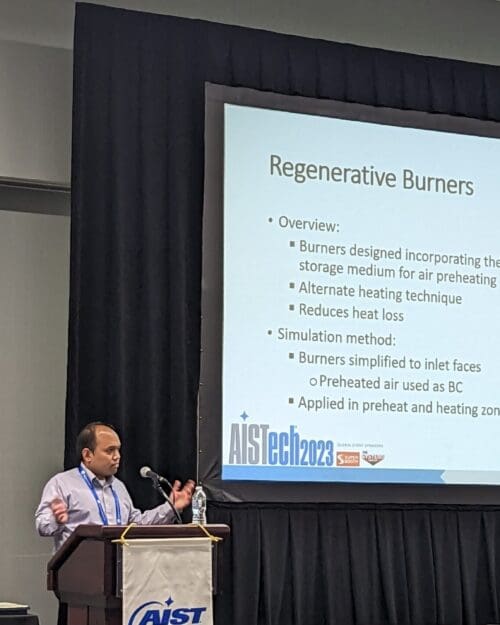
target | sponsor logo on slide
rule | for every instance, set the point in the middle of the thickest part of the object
(373, 459)
(256, 444)
(150, 614)
(348, 458)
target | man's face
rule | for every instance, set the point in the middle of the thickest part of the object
(105, 459)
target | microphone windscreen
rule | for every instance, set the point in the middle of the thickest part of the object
(145, 471)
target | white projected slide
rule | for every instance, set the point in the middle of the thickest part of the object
(361, 334)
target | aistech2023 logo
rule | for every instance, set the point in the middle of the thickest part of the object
(164, 613)
(257, 444)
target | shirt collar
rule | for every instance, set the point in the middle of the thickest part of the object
(93, 477)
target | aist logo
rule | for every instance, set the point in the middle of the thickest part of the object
(155, 613)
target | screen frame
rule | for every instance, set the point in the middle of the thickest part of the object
(209, 451)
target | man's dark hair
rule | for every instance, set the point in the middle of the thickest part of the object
(87, 437)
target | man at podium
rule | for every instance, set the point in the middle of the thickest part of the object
(91, 494)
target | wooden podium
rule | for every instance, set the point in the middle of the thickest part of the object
(85, 573)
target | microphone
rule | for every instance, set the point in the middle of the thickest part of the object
(147, 472)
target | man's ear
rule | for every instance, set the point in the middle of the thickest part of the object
(87, 454)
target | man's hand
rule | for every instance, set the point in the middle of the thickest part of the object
(181, 495)
(59, 510)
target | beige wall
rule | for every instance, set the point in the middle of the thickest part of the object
(35, 112)
(33, 326)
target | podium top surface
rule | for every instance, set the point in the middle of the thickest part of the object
(113, 532)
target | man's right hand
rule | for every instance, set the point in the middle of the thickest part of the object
(59, 510)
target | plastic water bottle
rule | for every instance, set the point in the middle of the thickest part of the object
(199, 506)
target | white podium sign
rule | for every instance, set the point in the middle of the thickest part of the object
(167, 581)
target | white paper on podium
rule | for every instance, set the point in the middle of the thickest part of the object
(167, 582)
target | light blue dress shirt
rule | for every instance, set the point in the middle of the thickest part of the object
(70, 487)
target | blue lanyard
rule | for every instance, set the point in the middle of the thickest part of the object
(100, 507)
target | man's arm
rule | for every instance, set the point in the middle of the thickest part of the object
(163, 514)
(52, 512)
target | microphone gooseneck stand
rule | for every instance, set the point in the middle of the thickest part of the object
(157, 486)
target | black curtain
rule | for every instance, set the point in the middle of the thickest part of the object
(134, 329)
(360, 564)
